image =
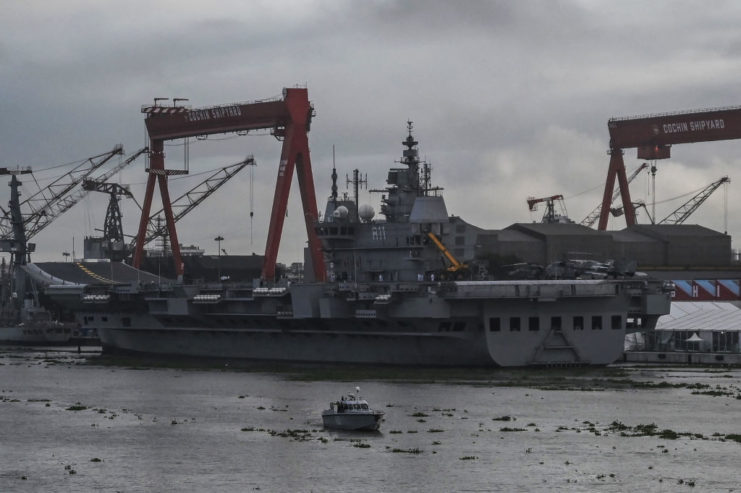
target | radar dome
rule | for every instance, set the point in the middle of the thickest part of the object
(366, 212)
(341, 212)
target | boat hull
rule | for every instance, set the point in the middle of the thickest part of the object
(352, 421)
(35, 335)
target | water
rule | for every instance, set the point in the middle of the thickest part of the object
(140, 427)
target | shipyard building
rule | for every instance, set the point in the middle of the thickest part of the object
(651, 246)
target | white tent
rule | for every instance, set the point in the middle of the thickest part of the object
(702, 316)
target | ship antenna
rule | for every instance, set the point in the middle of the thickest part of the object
(334, 179)
(357, 181)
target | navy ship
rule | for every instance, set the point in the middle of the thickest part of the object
(394, 294)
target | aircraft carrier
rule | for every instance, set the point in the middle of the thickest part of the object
(386, 291)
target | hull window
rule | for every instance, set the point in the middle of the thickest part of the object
(578, 322)
(556, 324)
(616, 322)
(514, 324)
(596, 322)
(495, 324)
(533, 323)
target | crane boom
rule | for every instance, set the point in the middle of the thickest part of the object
(685, 210)
(456, 265)
(43, 204)
(190, 199)
(594, 215)
(65, 203)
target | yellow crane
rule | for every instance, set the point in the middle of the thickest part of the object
(455, 264)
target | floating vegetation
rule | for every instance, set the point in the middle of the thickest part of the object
(296, 435)
(77, 407)
(95, 459)
(361, 445)
(503, 418)
(394, 432)
(406, 451)
(419, 415)
(714, 393)
(651, 429)
(435, 430)
(733, 436)
(507, 428)
(468, 457)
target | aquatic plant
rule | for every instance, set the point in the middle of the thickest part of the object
(406, 451)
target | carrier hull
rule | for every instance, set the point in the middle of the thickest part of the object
(464, 324)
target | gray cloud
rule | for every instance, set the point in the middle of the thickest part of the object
(509, 99)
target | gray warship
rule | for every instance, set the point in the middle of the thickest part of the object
(394, 294)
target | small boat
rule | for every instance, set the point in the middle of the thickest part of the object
(351, 413)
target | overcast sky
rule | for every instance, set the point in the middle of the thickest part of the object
(509, 99)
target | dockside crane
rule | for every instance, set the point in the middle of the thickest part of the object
(77, 194)
(594, 215)
(114, 243)
(653, 136)
(684, 211)
(550, 215)
(44, 206)
(185, 203)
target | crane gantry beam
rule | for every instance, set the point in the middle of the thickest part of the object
(653, 136)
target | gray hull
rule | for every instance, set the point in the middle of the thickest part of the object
(469, 324)
(42, 335)
(352, 421)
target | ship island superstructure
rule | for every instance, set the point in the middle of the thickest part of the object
(394, 294)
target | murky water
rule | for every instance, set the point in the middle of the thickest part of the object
(72, 422)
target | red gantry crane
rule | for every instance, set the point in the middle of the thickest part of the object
(288, 119)
(653, 136)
